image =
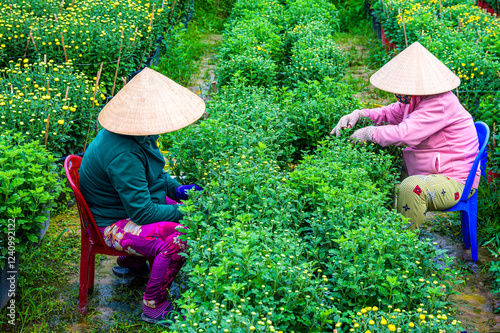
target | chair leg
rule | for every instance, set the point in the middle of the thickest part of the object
(84, 276)
(91, 272)
(473, 230)
(464, 218)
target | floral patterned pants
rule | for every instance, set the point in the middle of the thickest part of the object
(158, 240)
(420, 194)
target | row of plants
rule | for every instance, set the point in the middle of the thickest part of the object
(55, 105)
(277, 47)
(118, 34)
(294, 232)
(51, 80)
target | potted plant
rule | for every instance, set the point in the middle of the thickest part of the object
(28, 188)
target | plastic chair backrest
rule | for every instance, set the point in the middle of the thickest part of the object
(87, 222)
(483, 135)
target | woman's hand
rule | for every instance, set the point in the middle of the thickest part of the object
(181, 191)
(348, 121)
(363, 134)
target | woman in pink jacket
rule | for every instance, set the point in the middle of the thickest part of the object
(439, 134)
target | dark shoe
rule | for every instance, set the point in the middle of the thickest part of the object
(165, 319)
(128, 273)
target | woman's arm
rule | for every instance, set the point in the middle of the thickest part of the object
(426, 120)
(391, 114)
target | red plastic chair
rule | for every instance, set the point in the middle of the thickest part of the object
(92, 241)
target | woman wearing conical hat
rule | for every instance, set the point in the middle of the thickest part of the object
(135, 203)
(439, 134)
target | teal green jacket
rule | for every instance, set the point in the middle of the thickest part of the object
(122, 176)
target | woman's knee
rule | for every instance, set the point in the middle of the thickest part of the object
(410, 185)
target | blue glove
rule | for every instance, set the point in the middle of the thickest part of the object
(181, 191)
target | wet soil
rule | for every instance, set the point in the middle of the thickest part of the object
(475, 302)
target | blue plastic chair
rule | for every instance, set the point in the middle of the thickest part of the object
(468, 206)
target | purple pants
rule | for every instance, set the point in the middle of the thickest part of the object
(158, 240)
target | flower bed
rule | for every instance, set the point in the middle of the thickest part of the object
(295, 248)
(87, 32)
(33, 94)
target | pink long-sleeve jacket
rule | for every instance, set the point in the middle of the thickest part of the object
(439, 134)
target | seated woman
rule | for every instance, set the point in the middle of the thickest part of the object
(439, 134)
(126, 188)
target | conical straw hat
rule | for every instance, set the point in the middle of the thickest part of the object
(151, 104)
(415, 71)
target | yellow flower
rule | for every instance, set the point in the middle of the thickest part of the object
(411, 324)
(60, 121)
(383, 321)
(65, 107)
(371, 322)
(392, 328)
(375, 308)
(421, 316)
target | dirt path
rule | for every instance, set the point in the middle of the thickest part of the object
(358, 74)
(203, 82)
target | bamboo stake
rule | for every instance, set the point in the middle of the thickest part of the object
(440, 8)
(118, 64)
(66, 95)
(33, 40)
(60, 8)
(55, 15)
(97, 83)
(47, 130)
(64, 47)
(162, 4)
(152, 16)
(172, 11)
(93, 104)
(124, 80)
(11, 89)
(26, 50)
(45, 59)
